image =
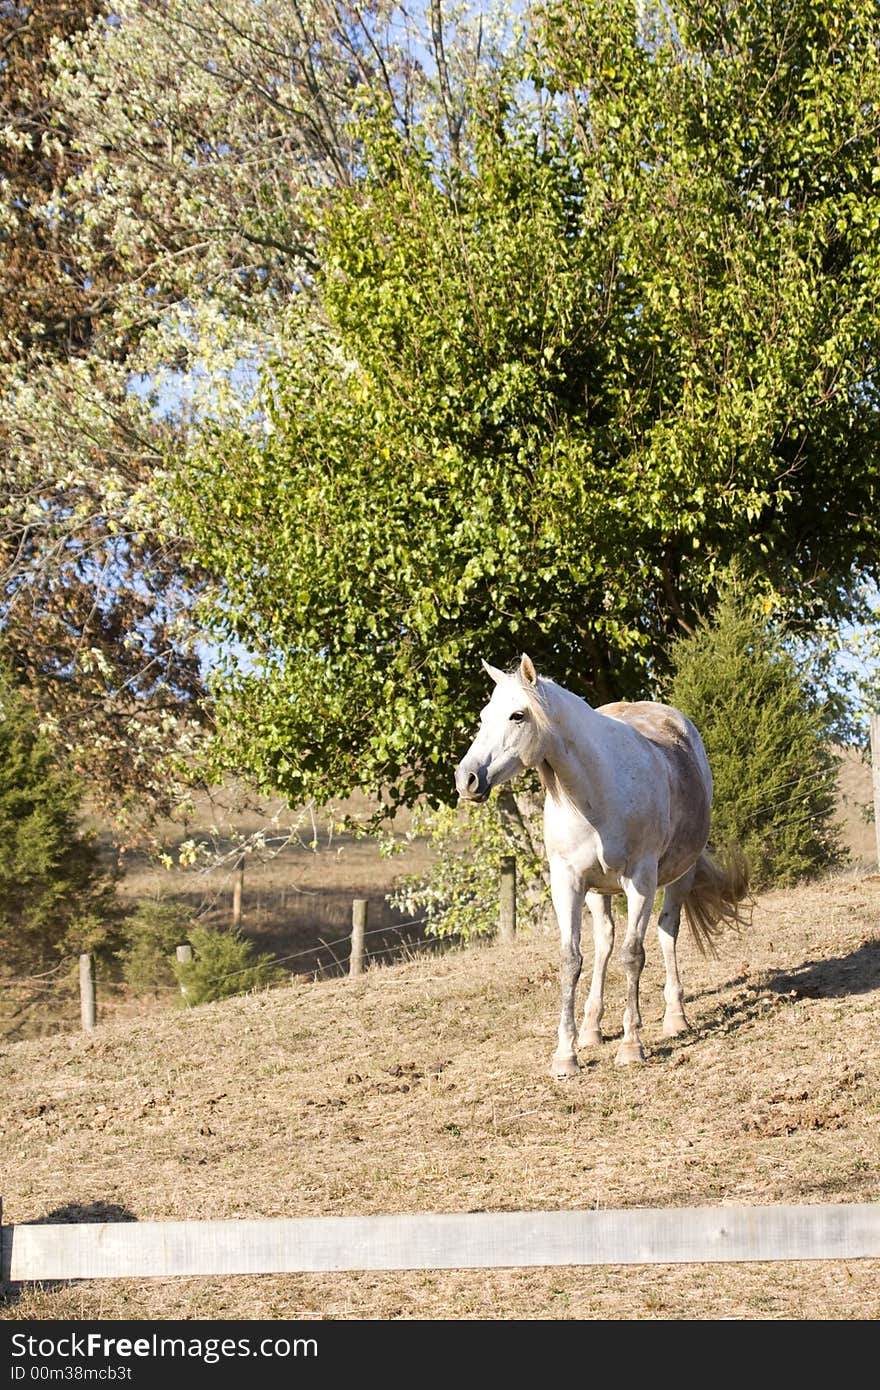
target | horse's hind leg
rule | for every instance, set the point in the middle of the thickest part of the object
(603, 941)
(640, 889)
(674, 1020)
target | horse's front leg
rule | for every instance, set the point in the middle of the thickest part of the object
(603, 941)
(568, 903)
(640, 889)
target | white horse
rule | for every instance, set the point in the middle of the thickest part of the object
(628, 792)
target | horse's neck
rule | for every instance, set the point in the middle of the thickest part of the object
(576, 767)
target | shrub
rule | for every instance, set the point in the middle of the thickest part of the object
(223, 964)
(767, 737)
(152, 932)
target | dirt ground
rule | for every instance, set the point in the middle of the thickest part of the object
(424, 1086)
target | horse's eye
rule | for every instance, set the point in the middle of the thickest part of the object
(517, 716)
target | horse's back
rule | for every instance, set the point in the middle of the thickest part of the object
(662, 724)
(681, 747)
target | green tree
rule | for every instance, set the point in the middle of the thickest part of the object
(457, 894)
(224, 963)
(54, 899)
(550, 379)
(767, 739)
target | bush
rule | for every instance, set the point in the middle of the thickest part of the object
(767, 737)
(54, 897)
(459, 894)
(152, 933)
(223, 964)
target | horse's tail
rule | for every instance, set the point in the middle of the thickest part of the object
(714, 903)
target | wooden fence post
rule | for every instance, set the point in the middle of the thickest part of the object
(358, 932)
(875, 775)
(507, 899)
(184, 954)
(237, 890)
(87, 1010)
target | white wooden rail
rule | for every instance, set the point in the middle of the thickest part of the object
(483, 1240)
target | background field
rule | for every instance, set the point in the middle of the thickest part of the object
(305, 892)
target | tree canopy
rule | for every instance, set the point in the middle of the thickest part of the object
(93, 582)
(357, 343)
(550, 377)
(159, 162)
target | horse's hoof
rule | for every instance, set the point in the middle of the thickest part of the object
(564, 1068)
(673, 1024)
(629, 1052)
(590, 1037)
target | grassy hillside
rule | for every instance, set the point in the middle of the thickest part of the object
(297, 896)
(425, 1086)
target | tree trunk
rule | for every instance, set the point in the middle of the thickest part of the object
(520, 814)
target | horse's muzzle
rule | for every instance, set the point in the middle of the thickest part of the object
(472, 784)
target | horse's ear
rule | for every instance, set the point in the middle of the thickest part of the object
(527, 671)
(493, 672)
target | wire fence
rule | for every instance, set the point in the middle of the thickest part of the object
(62, 976)
(30, 979)
(340, 941)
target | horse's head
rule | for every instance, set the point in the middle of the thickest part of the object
(511, 737)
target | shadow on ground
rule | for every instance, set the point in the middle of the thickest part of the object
(838, 978)
(72, 1215)
(856, 973)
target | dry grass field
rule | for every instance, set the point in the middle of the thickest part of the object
(424, 1086)
(300, 898)
(296, 903)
